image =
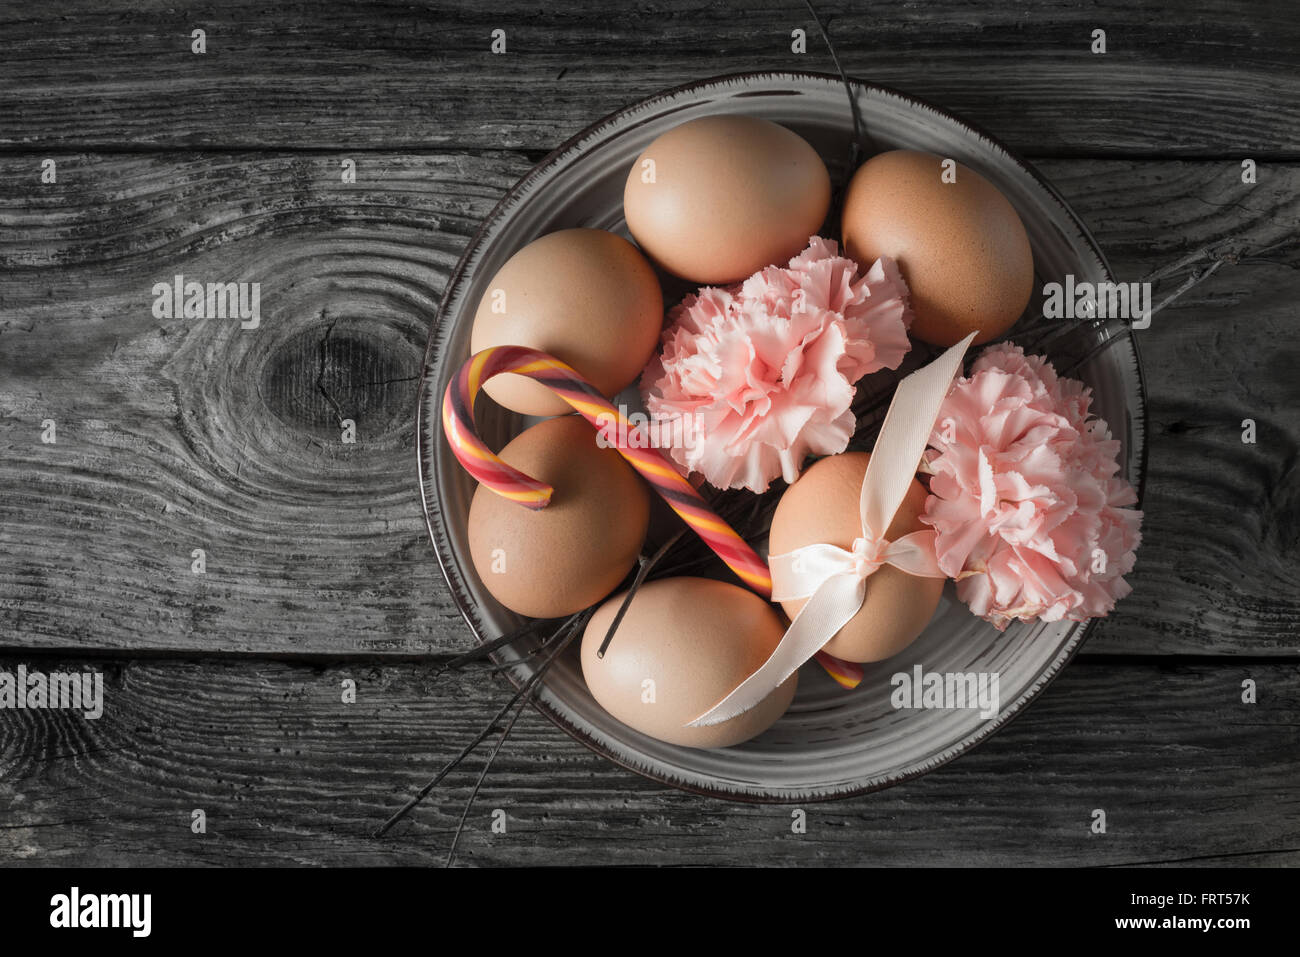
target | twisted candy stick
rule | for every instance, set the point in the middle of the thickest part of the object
(569, 385)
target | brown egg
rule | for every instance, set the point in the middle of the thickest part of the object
(961, 246)
(684, 645)
(822, 506)
(585, 296)
(569, 555)
(718, 198)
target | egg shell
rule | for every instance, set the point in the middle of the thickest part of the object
(696, 639)
(585, 296)
(560, 559)
(961, 246)
(822, 506)
(730, 195)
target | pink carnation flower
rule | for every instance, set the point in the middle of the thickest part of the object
(753, 378)
(1025, 495)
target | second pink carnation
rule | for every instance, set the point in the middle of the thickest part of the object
(1026, 497)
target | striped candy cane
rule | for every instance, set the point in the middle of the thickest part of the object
(650, 463)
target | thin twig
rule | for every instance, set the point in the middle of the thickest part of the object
(485, 649)
(641, 573)
(482, 776)
(1196, 255)
(857, 147)
(526, 656)
(571, 625)
(532, 687)
(1193, 280)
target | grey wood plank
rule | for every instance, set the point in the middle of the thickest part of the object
(287, 774)
(1209, 77)
(209, 436)
(1225, 352)
(181, 434)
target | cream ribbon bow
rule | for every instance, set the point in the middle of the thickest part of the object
(836, 578)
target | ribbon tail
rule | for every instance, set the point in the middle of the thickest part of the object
(837, 600)
(903, 437)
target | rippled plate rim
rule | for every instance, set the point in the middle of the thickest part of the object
(434, 519)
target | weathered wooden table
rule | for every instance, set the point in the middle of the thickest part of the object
(223, 689)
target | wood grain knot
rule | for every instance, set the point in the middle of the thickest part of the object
(322, 394)
(341, 369)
